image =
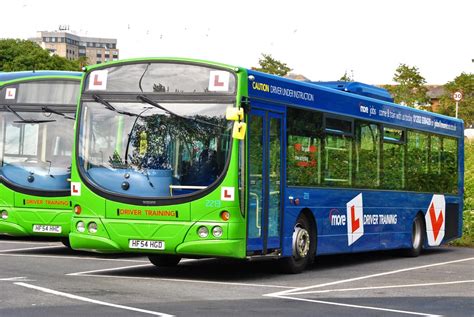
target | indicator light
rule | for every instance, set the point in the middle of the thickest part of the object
(77, 209)
(225, 215)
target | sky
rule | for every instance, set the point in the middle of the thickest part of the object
(318, 39)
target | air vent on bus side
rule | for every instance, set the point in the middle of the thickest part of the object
(358, 89)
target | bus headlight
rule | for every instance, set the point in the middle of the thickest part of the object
(92, 227)
(217, 232)
(80, 226)
(203, 232)
(4, 214)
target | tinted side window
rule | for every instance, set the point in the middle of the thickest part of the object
(450, 165)
(337, 158)
(304, 147)
(417, 161)
(367, 155)
(393, 159)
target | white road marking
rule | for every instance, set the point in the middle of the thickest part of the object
(87, 273)
(72, 257)
(89, 300)
(13, 278)
(298, 290)
(110, 269)
(381, 287)
(189, 281)
(27, 242)
(33, 248)
(356, 306)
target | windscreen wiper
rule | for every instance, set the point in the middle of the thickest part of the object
(157, 105)
(110, 107)
(26, 121)
(46, 109)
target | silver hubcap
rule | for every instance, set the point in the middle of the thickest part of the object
(300, 242)
(416, 233)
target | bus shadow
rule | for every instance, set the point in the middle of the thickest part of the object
(225, 270)
(326, 262)
(213, 269)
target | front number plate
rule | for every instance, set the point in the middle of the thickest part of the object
(146, 244)
(47, 229)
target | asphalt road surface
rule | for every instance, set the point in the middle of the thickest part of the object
(44, 278)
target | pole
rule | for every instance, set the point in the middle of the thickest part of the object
(457, 107)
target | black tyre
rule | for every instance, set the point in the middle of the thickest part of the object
(66, 242)
(417, 237)
(304, 247)
(164, 260)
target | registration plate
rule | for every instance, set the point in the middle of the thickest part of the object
(47, 229)
(146, 244)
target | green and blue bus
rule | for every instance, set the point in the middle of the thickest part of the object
(37, 115)
(187, 158)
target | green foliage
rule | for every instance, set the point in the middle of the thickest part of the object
(468, 216)
(19, 55)
(347, 77)
(410, 90)
(469, 175)
(270, 65)
(465, 84)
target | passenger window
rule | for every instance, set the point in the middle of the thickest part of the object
(450, 166)
(367, 155)
(338, 152)
(304, 147)
(393, 159)
(417, 161)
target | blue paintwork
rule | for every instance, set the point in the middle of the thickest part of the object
(323, 202)
(358, 88)
(40, 177)
(7, 76)
(276, 92)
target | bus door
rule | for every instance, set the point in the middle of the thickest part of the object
(265, 186)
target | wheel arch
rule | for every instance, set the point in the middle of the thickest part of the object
(314, 227)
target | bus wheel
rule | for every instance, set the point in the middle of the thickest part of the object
(417, 237)
(303, 247)
(164, 260)
(66, 242)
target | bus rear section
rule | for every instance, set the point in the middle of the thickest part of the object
(37, 122)
(156, 168)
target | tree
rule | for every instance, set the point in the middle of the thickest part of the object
(347, 77)
(18, 55)
(272, 66)
(465, 84)
(410, 90)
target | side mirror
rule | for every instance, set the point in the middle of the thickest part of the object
(234, 114)
(239, 130)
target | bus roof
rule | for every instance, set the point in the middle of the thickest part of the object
(7, 76)
(358, 88)
(337, 100)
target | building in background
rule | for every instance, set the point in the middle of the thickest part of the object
(71, 46)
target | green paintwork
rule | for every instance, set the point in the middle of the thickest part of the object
(118, 222)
